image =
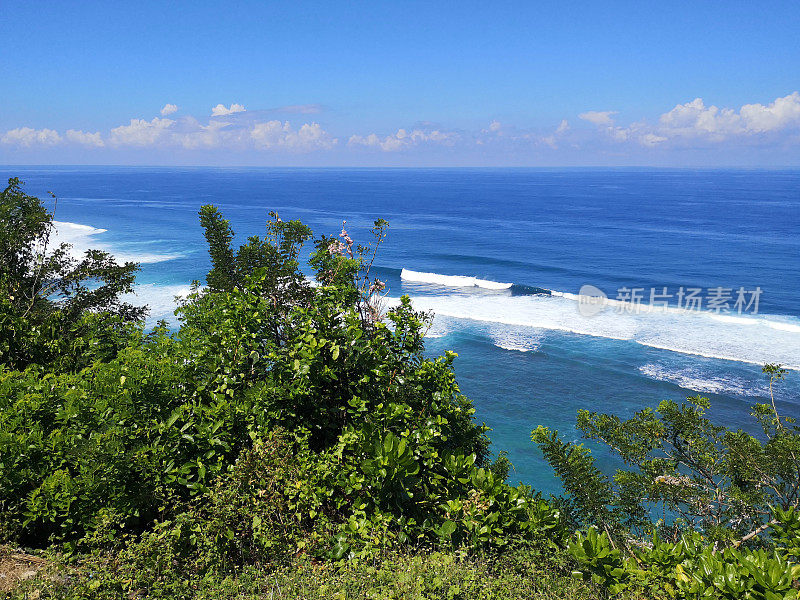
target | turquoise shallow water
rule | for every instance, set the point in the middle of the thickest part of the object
(524, 358)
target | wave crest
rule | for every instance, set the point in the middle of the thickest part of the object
(452, 280)
(81, 238)
(697, 381)
(756, 339)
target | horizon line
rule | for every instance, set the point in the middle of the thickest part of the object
(411, 167)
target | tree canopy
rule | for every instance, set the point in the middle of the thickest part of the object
(56, 309)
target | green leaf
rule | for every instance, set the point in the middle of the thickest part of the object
(447, 529)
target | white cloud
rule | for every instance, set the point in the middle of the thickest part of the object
(598, 117)
(276, 135)
(141, 132)
(695, 119)
(693, 122)
(27, 137)
(497, 131)
(85, 138)
(783, 112)
(168, 109)
(561, 130)
(220, 110)
(195, 135)
(192, 134)
(404, 139)
(651, 139)
(364, 140)
(687, 125)
(509, 138)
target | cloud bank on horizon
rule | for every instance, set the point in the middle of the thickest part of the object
(233, 130)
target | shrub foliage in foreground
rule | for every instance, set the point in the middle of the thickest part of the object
(378, 445)
(56, 310)
(730, 501)
(286, 424)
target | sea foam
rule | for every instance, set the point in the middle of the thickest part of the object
(460, 281)
(755, 339)
(83, 237)
(514, 340)
(698, 381)
(160, 300)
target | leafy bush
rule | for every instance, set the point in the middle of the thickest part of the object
(73, 443)
(384, 449)
(436, 575)
(733, 500)
(717, 481)
(270, 504)
(55, 310)
(601, 562)
(688, 569)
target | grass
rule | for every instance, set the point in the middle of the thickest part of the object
(397, 576)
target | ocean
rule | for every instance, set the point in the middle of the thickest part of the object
(701, 269)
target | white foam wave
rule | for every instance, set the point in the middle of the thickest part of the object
(433, 333)
(439, 328)
(513, 348)
(71, 233)
(761, 339)
(82, 238)
(623, 307)
(732, 319)
(160, 300)
(693, 379)
(782, 326)
(452, 280)
(144, 258)
(515, 340)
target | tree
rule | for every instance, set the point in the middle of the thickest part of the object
(725, 483)
(56, 308)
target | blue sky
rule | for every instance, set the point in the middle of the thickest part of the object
(401, 83)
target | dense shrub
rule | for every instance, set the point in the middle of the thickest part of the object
(720, 482)
(690, 568)
(56, 310)
(731, 525)
(390, 451)
(433, 575)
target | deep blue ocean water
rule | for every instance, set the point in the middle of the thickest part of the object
(524, 358)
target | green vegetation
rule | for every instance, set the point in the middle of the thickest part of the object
(729, 501)
(291, 439)
(56, 312)
(719, 482)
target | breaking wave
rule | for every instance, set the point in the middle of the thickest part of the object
(160, 300)
(696, 380)
(755, 339)
(83, 237)
(452, 280)
(515, 341)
